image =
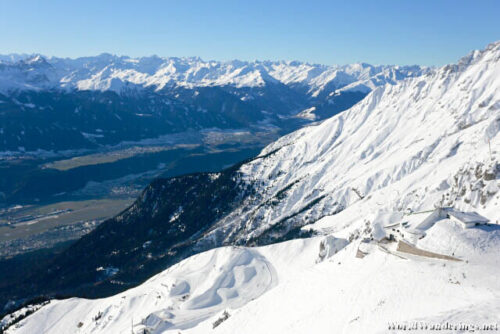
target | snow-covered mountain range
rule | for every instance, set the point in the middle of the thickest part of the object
(110, 72)
(101, 101)
(426, 142)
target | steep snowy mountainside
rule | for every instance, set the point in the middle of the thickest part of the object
(419, 133)
(109, 72)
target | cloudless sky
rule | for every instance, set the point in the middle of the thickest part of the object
(426, 32)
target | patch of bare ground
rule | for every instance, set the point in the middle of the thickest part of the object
(410, 249)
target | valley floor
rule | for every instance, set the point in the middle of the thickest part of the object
(41, 226)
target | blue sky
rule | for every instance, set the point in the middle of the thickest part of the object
(329, 32)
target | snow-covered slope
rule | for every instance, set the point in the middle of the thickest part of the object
(180, 297)
(287, 288)
(424, 142)
(404, 147)
(109, 72)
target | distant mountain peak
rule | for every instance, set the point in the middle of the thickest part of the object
(35, 59)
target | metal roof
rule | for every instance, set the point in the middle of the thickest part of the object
(467, 217)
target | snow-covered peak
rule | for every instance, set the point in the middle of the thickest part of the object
(489, 54)
(35, 60)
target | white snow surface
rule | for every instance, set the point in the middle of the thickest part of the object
(405, 148)
(178, 298)
(409, 146)
(282, 288)
(110, 72)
